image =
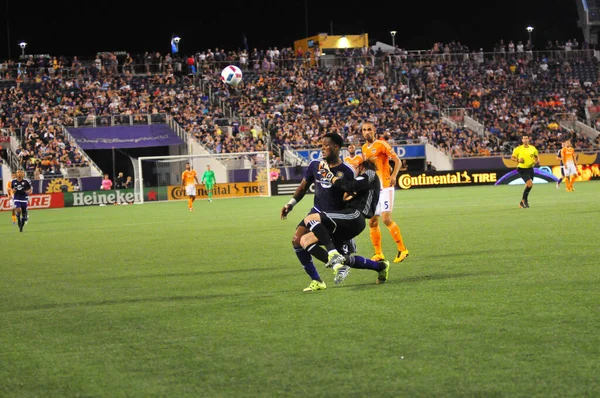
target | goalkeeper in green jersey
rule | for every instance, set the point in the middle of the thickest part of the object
(208, 179)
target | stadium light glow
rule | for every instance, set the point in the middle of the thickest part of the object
(393, 33)
(529, 30)
(22, 45)
(343, 42)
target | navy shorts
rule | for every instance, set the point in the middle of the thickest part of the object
(20, 204)
(345, 224)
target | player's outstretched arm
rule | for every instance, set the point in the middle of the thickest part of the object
(298, 195)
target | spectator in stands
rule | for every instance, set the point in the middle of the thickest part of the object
(106, 183)
(119, 181)
(508, 95)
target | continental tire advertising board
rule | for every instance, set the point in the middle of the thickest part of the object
(227, 190)
(452, 178)
(460, 178)
(428, 179)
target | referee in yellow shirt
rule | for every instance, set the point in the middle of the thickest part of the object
(527, 157)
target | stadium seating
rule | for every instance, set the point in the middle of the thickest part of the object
(291, 104)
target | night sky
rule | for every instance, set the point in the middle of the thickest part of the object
(83, 28)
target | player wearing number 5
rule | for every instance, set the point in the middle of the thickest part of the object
(188, 182)
(380, 152)
(527, 157)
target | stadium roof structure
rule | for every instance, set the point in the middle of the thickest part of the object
(589, 19)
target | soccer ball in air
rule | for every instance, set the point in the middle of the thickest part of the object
(231, 75)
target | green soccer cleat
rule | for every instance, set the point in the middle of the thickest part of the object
(341, 271)
(335, 258)
(314, 286)
(382, 276)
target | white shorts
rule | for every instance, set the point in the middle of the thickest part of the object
(190, 190)
(570, 169)
(386, 200)
(12, 203)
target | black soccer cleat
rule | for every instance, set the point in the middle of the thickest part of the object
(523, 204)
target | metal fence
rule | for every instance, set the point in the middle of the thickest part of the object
(116, 120)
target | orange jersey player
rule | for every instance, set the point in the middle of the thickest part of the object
(11, 197)
(568, 157)
(189, 179)
(353, 159)
(381, 152)
(9, 190)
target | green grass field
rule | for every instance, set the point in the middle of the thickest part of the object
(153, 300)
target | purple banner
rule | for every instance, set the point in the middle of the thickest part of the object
(124, 136)
(50, 185)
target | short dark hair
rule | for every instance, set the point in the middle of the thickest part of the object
(369, 164)
(336, 138)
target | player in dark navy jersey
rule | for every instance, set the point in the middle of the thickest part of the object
(363, 196)
(21, 188)
(327, 198)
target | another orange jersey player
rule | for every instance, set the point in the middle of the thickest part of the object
(188, 182)
(381, 152)
(353, 159)
(10, 193)
(568, 157)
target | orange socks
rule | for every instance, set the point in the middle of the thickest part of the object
(190, 203)
(376, 239)
(397, 236)
(570, 181)
(14, 218)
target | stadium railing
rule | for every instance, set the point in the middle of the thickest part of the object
(117, 120)
(13, 72)
(480, 56)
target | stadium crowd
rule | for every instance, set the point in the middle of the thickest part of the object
(509, 96)
(512, 96)
(287, 102)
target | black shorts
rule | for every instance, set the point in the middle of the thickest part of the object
(526, 174)
(343, 245)
(344, 225)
